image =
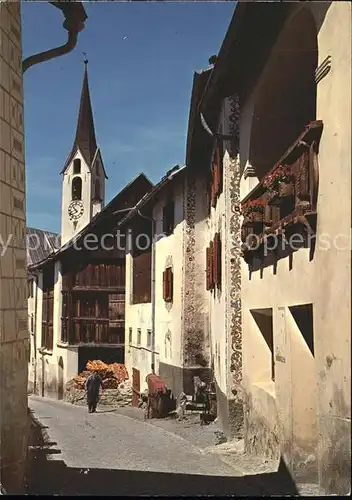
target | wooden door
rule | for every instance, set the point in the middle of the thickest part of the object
(136, 386)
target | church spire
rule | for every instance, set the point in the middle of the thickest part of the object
(85, 133)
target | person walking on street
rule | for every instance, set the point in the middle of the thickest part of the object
(92, 386)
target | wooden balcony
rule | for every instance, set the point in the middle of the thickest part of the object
(284, 202)
(82, 330)
(89, 317)
(96, 277)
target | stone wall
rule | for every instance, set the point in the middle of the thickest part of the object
(13, 280)
(111, 397)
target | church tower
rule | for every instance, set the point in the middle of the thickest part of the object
(83, 176)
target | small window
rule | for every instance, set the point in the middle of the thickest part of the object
(168, 285)
(32, 323)
(130, 335)
(169, 218)
(77, 166)
(139, 336)
(77, 188)
(149, 338)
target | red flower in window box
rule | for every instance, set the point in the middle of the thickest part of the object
(253, 210)
(280, 175)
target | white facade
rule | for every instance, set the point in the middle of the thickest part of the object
(168, 253)
(182, 344)
(302, 411)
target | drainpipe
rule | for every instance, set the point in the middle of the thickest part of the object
(152, 220)
(74, 23)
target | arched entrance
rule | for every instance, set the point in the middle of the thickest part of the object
(60, 387)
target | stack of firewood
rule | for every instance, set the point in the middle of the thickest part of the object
(111, 374)
(120, 371)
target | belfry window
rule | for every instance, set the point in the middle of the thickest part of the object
(77, 166)
(77, 188)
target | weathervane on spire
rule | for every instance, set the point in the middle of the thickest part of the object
(85, 58)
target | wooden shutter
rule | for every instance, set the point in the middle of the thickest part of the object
(170, 284)
(214, 184)
(211, 265)
(164, 285)
(210, 190)
(207, 268)
(221, 166)
(44, 320)
(217, 260)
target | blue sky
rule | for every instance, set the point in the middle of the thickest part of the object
(140, 89)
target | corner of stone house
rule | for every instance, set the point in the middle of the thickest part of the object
(335, 456)
(236, 413)
(260, 439)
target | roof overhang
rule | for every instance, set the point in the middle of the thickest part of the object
(98, 153)
(252, 32)
(99, 218)
(195, 129)
(150, 197)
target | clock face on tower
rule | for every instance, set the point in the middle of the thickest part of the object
(75, 210)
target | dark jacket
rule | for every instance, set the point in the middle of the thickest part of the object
(92, 386)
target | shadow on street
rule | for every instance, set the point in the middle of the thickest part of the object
(54, 477)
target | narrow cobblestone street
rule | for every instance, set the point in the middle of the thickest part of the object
(112, 453)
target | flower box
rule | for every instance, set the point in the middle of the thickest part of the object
(253, 211)
(279, 183)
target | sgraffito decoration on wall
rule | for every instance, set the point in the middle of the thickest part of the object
(192, 335)
(235, 274)
(234, 235)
